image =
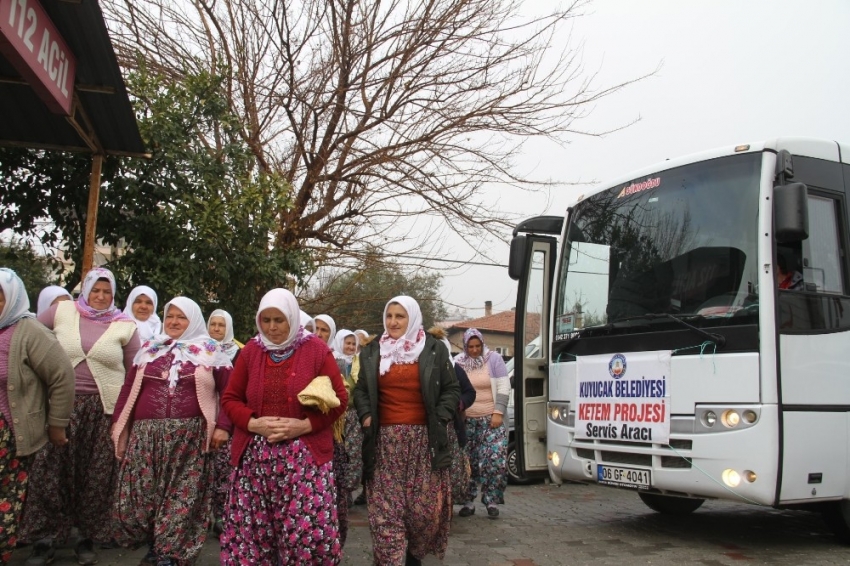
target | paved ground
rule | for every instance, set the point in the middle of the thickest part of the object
(544, 525)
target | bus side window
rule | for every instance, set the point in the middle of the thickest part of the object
(822, 250)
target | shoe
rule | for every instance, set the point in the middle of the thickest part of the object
(42, 553)
(492, 511)
(85, 552)
(361, 499)
(410, 560)
(467, 511)
(165, 561)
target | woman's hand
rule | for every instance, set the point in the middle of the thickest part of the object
(290, 429)
(367, 422)
(264, 426)
(219, 438)
(496, 420)
(57, 436)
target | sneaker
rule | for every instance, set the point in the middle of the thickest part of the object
(42, 553)
(492, 511)
(85, 552)
(467, 510)
(361, 499)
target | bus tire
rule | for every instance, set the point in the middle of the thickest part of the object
(515, 476)
(669, 505)
(837, 517)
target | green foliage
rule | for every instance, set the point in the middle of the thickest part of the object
(356, 298)
(195, 219)
(36, 271)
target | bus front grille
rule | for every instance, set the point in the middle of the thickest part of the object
(626, 458)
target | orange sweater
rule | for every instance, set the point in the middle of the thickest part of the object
(400, 396)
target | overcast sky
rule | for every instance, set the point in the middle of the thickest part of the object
(731, 72)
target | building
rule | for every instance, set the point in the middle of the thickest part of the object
(497, 329)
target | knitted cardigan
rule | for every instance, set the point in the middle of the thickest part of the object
(243, 398)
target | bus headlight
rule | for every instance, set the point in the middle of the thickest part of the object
(559, 412)
(556, 460)
(709, 418)
(731, 478)
(730, 418)
(750, 417)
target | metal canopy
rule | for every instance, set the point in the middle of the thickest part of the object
(103, 121)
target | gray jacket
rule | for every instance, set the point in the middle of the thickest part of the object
(440, 393)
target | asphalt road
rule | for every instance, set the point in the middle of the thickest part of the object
(542, 525)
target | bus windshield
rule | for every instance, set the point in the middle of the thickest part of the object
(679, 242)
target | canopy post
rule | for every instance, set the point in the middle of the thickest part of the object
(91, 214)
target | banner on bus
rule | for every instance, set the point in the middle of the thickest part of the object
(624, 397)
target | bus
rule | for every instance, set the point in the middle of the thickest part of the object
(695, 324)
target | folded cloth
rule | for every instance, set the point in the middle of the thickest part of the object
(320, 394)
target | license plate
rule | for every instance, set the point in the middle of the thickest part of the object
(623, 477)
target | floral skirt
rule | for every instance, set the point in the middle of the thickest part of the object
(72, 486)
(222, 471)
(281, 508)
(13, 490)
(165, 488)
(342, 496)
(350, 481)
(459, 470)
(410, 506)
(487, 449)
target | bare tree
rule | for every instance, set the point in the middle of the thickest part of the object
(376, 111)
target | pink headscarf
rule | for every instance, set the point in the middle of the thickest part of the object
(107, 315)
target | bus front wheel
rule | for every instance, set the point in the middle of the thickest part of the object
(669, 505)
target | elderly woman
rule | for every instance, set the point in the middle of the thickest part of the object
(51, 295)
(325, 328)
(220, 328)
(165, 422)
(406, 397)
(348, 438)
(73, 486)
(36, 398)
(281, 505)
(141, 307)
(487, 437)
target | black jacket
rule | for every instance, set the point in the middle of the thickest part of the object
(440, 393)
(467, 398)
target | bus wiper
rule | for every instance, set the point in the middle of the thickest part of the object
(718, 339)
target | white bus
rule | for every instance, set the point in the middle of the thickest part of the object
(697, 324)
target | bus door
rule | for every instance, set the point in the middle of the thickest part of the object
(533, 265)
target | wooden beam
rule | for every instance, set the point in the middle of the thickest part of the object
(91, 213)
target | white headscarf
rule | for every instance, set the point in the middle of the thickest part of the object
(17, 302)
(339, 346)
(50, 294)
(285, 302)
(153, 325)
(306, 321)
(227, 344)
(194, 345)
(404, 350)
(331, 324)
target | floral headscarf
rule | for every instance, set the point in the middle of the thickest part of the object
(107, 315)
(17, 302)
(228, 343)
(406, 349)
(468, 363)
(194, 345)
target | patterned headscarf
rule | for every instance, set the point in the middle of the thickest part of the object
(107, 315)
(468, 363)
(153, 325)
(17, 302)
(50, 294)
(406, 349)
(194, 345)
(227, 343)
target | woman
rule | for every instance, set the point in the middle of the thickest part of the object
(220, 328)
(281, 504)
(36, 398)
(165, 422)
(51, 295)
(406, 397)
(141, 307)
(325, 328)
(73, 486)
(487, 436)
(307, 321)
(348, 438)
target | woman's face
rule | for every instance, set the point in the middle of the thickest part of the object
(396, 321)
(217, 328)
(349, 346)
(176, 322)
(274, 325)
(474, 347)
(142, 308)
(323, 331)
(100, 296)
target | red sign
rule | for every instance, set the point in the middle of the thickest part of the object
(31, 43)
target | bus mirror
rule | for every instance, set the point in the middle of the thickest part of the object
(791, 213)
(516, 262)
